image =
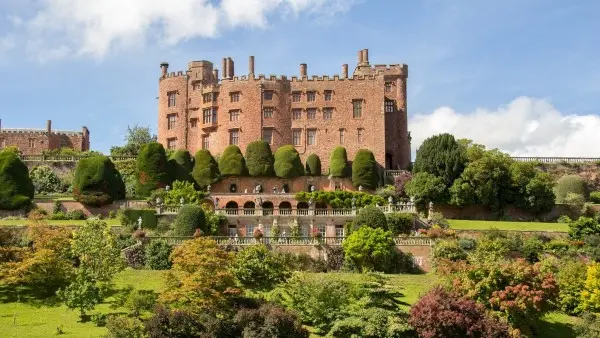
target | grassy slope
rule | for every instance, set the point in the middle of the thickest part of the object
(502, 225)
(3, 222)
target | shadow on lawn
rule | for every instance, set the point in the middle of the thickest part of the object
(31, 296)
(555, 330)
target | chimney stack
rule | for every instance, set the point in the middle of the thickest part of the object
(303, 70)
(224, 68)
(345, 71)
(164, 67)
(365, 56)
(216, 74)
(0, 125)
(251, 66)
(49, 126)
(360, 57)
(230, 70)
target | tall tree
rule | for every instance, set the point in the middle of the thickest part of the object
(442, 156)
(136, 137)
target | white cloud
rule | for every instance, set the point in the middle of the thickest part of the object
(524, 127)
(94, 28)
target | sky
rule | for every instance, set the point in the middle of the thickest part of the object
(522, 76)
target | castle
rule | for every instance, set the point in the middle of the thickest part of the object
(36, 141)
(198, 110)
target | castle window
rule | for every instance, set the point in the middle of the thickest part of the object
(328, 94)
(388, 87)
(205, 141)
(311, 113)
(296, 114)
(197, 86)
(171, 96)
(389, 106)
(296, 137)
(268, 135)
(172, 143)
(207, 114)
(360, 132)
(194, 122)
(234, 115)
(268, 112)
(207, 97)
(341, 136)
(296, 96)
(235, 96)
(234, 136)
(357, 108)
(268, 95)
(171, 121)
(327, 113)
(311, 96)
(31, 143)
(311, 137)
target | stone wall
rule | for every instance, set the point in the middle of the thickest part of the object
(68, 206)
(479, 212)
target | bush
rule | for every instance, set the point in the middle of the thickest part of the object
(189, 218)
(97, 182)
(124, 327)
(341, 199)
(400, 223)
(590, 295)
(370, 249)
(257, 267)
(448, 250)
(425, 188)
(76, 215)
(313, 165)
(400, 182)
(134, 256)
(338, 163)
(231, 162)
(59, 216)
(174, 323)
(259, 159)
(152, 169)
(569, 184)
(595, 197)
(532, 248)
(181, 166)
(149, 219)
(287, 162)
(140, 301)
(157, 255)
(582, 227)
(587, 326)
(335, 258)
(571, 278)
(364, 169)
(46, 181)
(370, 216)
(16, 187)
(269, 321)
(467, 244)
(206, 170)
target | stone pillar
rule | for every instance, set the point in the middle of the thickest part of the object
(230, 68)
(345, 71)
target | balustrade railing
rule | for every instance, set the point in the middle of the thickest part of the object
(67, 158)
(334, 241)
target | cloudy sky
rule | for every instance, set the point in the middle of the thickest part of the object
(522, 76)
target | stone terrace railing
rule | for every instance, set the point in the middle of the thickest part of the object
(333, 241)
(62, 158)
(557, 159)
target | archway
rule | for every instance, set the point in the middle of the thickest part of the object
(389, 163)
(231, 208)
(267, 207)
(302, 205)
(249, 208)
(285, 208)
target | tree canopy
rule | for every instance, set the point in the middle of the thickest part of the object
(313, 165)
(16, 187)
(97, 182)
(206, 170)
(442, 156)
(136, 137)
(152, 169)
(364, 169)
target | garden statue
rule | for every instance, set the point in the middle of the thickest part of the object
(245, 191)
(208, 188)
(412, 199)
(167, 188)
(430, 205)
(312, 188)
(390, 200)
(275, 189)
(353, 202)
(360, 188)
(139, 221)
(283, 190)
(259, 201)
(217, 203)
(283, 234)
(311, 201)
(257, 189)
(158, 201)
(182, 201)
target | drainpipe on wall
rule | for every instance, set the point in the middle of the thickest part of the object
(186, 112)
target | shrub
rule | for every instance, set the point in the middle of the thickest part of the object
(441, 314)
(124, 327)
(569, 184)
(16, 187)
(437, 218)
(231, 162)
(59, 216)
(206, 170)
(140, 301)
(340, 199)
(257, 267)
(467, 244)
(425, 188)
(335, 258)
(189, 218)
(181, 166)
(157, 255)
(287, 162)
(449, 250)
(400, 223)
(571, 277)
(259, 159)
(595, 197)
(97, 182)
(532, 248)
(370, 216)
(587, 326)
(148, 216)
(582, 227)
(441, 156)
(338, 163)
(369, 249)
(174, 323)
(313, 165)
(46, 181)
(269, 321)
(134, 256)
(400, 182)
(76, 215)
(364, 169)
(179, 190)
(590, 295)
(152, 169)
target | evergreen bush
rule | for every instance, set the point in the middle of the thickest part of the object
(97, 182)
(16, 187)
(288, 163)
(400, 223)
(181, 166)
(152, 169)
(338, 163)
(189, 218)
(364, 169)
(157, 255)
(259, 159)
(313, 165)
(206, 170)
(370, 216)
(568, 184)
(231, 162)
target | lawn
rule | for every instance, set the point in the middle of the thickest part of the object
(4, 222)
(457, 224)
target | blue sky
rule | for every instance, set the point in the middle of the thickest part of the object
(523, 76)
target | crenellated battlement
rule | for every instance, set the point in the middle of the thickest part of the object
(336, 77)
(39, 131)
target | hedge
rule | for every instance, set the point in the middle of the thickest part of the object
(152, 169)
(364, 170)
(313, 165)
(288, 163)
(259, 159)
(149, 219)
(341, 199)
(231, 162)
(189, 218)
(370, 216)
(181, 166)
(206, 170)
(97, 182)
(16, 187)
(338, 163)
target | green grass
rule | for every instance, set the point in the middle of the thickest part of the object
(4, 222)
(509, 226)
(53, 198)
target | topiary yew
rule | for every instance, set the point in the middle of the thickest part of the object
(259, 159)
(16, 187)
(206, 170)
(364, 170)
(231, 162)
(313, 165)
(288, 163)
(189, 218)
(370, 216)
(152, 169)
(97, 182)
(441, 155)
(181, 166)
(338, 163)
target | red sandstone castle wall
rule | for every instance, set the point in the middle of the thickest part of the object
(34, 142)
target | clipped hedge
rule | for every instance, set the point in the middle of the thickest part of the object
(149, 219)
(152, 169)
(364, 169)
(206, 170)
(190, 218)
(400, 223)
(338, 163)
(97, 182)
(288, 163)
(181, 166)
(232, 162)
(341, 199)
(313, 165)
(370, 216)
(259, 159)
(16, 187)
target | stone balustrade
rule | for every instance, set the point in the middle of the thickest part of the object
(68, 158)
(332, 241)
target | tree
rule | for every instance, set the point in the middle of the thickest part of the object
(46, 181)
(369, 249)
(181, 166)
(259, 159)
(370, 216)
(157, 255)
(231, 162)
(532, 188)
(152, 169)
(136, 137)
(425, 188)
(569, 184)
(97, 182)
(442, 156)
(82, 294)
(287, 162)
(258, 267)
(189, 218)
(400, 182)
(313, 165)
(590, 295)
(206, 170)
(364, 169)
(95, 246)
(338, 163)
(16, 187)
(400, 223)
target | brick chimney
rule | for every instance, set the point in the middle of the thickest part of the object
(216, 74)
(360, 57)
(49, 126)
(303, 70)
(230, 69)
(251, 65)
(365, 56)
(345, 71)
(224, 68)
(164, 67)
